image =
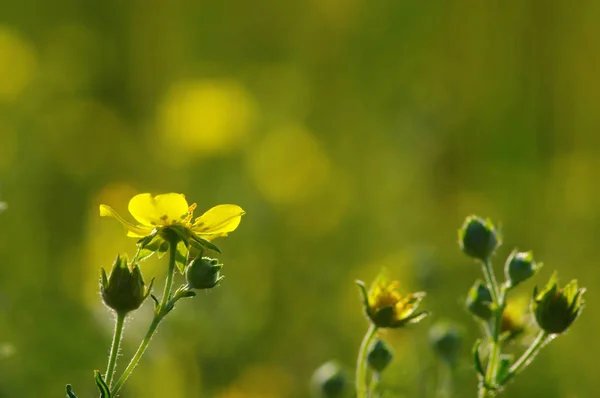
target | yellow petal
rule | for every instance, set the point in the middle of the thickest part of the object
(156, 210)
(219, 220)
(136, 231)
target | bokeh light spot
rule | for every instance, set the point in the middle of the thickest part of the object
(17, 64)
(206, 116)
(289, 166)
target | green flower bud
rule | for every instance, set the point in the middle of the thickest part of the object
(379, 355)
(520, 266)
(479, 300)
(446, 338)
(124, 290)
(556, 309)
(478, 238)
(203, 273)
(329, 381)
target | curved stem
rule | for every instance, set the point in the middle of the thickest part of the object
(361, 364)
(159, 314)
(540, 340)
(114, 349)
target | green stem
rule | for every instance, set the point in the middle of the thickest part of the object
(499, 298)
(374, 385)
(114, 350)
(490, 278)
(361, 364)
(444, 382)
(540, 340)
(159, 314)
(482, 392)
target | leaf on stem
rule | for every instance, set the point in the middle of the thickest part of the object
(476, 359)
(70, 392)
(104, 390)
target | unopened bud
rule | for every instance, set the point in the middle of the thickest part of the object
(478, 238)
(124, 290)
(479, 301)
(203, 273)
(556, 309)
(445, 338)
(329, 381)
(520, 266)
(379, 355)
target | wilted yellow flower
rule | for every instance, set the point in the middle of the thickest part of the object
(171, 211)
(386, 307)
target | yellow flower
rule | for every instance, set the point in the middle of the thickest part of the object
(156, 214)
(515, 317)
(386, 307)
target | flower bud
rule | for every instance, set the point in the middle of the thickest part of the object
(124, 290)
(329, 381)
(520, 266)
(379, 355)
(203, 273)
(479, 300)
(445, 338)
(556, 309)
(478, 238)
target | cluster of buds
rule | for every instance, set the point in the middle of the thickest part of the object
(555, 309)
(124, 289)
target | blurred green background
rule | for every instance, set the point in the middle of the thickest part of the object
(355, 134)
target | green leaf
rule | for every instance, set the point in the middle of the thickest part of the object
(201, 244)
(364, 295)
(476, 359)
(181, 256)
(148, 245)
(70, 392)
(156, 303)
(504, 366)
(104, 390)
(162, 249)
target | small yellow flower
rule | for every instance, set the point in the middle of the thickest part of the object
(515, 317)
(386, 307)
(156, 213)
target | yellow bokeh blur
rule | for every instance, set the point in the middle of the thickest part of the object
(206, 117)
(17, 64)
(289, 165)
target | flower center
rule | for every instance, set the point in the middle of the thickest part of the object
(385, 296)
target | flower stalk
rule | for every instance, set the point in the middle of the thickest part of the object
(361, 364)
(114, 350)
(160, 312)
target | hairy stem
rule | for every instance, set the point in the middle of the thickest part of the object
(114, 349)
(159, 314)
(499, 298)
(540, 340)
